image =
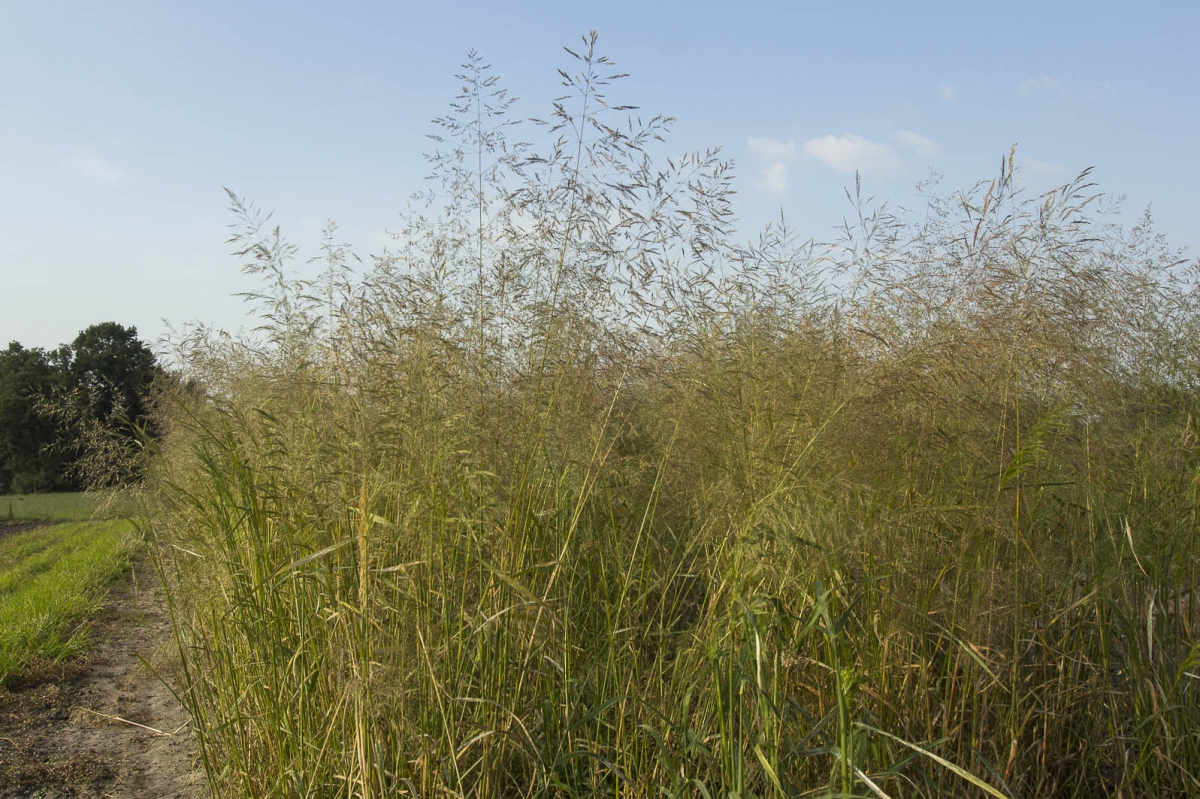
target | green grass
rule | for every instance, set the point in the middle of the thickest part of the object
(66, 506)
(52, 580)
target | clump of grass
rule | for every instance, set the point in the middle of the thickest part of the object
(51, 580)
(573, 495)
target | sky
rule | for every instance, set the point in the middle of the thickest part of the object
(122, 123)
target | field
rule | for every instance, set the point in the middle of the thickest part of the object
(84, 638)
(599, 502)
(62, 506)
(58, 554)
(52, 580)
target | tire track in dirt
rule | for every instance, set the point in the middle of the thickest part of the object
(71, 730)
(12, 528)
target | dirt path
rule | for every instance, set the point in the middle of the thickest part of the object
(66, 731)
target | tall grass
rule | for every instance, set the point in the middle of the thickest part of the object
(573, 495)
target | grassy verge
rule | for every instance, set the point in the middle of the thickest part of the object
(64, 506)
(51, 580)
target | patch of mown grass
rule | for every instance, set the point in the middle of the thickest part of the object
(52, 579)
(63, 506)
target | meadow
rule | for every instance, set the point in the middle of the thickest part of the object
(63, 506)
(574, 495)
(53, 579)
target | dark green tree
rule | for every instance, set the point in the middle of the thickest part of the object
(73, 417)
(114, 370)
(29, 461)
(104, 414)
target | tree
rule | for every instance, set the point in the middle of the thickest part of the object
(28, 459)
(114, 370)
(73, 417)
(104, 414)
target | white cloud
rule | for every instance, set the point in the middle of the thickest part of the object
(778, 154)
(1038, 84)
(772, 149)
(98, 169)
(947, 93)
(922, 146)
(774, 178)
(851, 153)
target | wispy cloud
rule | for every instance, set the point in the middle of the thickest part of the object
(774, 177)
(777, 154)
(854, 153)
(947, 93)
(1035, 167)
(772, 149)
(1041, 83)
(921, 146)
(1101, 90)
(98, 169)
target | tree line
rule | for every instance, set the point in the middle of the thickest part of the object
(74, 417)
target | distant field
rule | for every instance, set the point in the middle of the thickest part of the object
(63, 506)
(51, 579)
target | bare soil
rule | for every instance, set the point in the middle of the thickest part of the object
(103, 725)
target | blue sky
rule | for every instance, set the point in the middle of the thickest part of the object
(121, 122)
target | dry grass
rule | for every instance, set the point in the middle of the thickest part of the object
(572, 495)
